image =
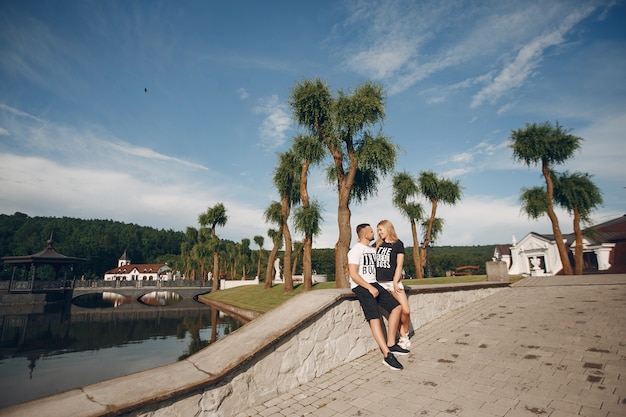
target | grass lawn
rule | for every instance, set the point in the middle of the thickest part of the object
(255, 297)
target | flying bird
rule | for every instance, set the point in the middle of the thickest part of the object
(145, 90)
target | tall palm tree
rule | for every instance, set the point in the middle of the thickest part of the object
(186, 251)
(201, 252)
(277, 239)
(214, 216)
(286, 179)
(342, 124)
(308, 217)
(308, 220)
(273, 215)
(298, 248)
(244, 255)
(577, 194)
(259, 240)
(405, 188)
(436, 190)
(547, 145)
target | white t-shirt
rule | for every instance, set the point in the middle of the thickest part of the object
(365, 257)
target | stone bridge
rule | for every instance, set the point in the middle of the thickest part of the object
(138, 289)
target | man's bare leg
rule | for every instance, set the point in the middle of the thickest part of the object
(379, 336)
(394, 322)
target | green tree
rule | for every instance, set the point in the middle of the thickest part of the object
(214, 216)
(534, 202)
(244, 255)
(259, 241)
(286, 178)
(342, 124)
(547, 145)
(308, 220)
(436, 190)
(189, 259)
(298, 248)
(308, 216)
(577, 194)
(273, 215)
(404, 189)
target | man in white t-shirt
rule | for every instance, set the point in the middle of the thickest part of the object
(371, 296)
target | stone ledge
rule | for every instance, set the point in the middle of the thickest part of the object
(201, 382)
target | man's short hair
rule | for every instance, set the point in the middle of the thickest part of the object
(361, 227)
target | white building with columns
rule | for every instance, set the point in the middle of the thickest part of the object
(604, 250)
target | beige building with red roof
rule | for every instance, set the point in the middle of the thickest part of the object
(127, 271)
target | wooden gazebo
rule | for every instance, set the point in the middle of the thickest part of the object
(47, 256)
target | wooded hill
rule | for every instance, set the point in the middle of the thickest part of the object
(102, 242)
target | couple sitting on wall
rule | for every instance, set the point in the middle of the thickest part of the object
(385, 260)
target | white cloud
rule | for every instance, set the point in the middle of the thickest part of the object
(277, 122)
(382, 60)
(514, 74)
(19, 113)
(150, 154)
(603, 152)
(402, 43)
(41, 187)
(243, 94)
(462, 158)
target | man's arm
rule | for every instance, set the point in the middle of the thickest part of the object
(353, 270)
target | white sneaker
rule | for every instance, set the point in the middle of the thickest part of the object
(404, 342)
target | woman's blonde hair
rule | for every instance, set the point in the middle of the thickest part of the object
(392, 236)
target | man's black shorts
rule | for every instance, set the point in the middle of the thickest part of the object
(370, 304)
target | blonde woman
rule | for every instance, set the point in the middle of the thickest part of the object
(389, 262)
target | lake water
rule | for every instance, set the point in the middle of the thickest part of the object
(56, 350)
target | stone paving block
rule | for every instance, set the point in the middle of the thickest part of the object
(559, 413)
(325, 412)
(494, 409)
(270, 411)
(339, 405)
(566, 406)
(593, 412)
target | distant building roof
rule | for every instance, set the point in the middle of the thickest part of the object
(141, 268)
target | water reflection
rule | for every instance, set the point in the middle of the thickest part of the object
(160, 298)
(104, 299)
(42, 354)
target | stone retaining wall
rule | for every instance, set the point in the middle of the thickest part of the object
(305, 337)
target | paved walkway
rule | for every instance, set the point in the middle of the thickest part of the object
(548, 347)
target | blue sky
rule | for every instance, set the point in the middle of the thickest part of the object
(80, 137)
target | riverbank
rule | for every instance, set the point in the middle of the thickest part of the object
(293, 343)
(255, 299)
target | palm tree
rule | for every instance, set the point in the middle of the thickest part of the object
(273, 215)
(546, 145)
(286, 178)
(259, 240)
(186, 249)
(201, 252)
(404, 188)
(308, 217)
(214, 216)
(307, 220)
(244, 255)
(277, 239)
(577, 194)
(298, 247)
(342, 124)
(436, 190)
